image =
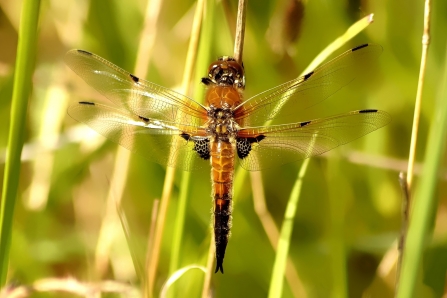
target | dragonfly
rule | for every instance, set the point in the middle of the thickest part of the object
(174, 130)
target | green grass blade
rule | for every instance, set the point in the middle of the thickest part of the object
(22, 88)
(276, 283)
(425, 200)
(279, 267)
(198, 55)
(175, 276)
(336, 230)
(179, 223)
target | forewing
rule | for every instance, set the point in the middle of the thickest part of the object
(137, 95)
(156, 140)
(281, 144)
(292, 97)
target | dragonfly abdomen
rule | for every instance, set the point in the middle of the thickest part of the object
(222, 169)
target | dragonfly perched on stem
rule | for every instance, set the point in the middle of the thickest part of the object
(174, 130)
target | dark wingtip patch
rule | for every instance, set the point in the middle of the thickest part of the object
(84, 52)
(144, 118)
(307, 76)
(87, 103)
(304, 123)
(360, 47)
(368, 111)
(134, 78)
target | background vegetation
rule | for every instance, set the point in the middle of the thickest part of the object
(349, 210)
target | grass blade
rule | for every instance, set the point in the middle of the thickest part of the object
(192, 60)
(276, 283)
(22, 88)
(279, 267)
(425, 199)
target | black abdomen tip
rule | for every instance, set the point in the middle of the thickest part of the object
(219, 265)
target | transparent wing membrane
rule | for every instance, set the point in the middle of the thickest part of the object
(131, 93)
(156, 140)
(287, 143)
(298, 94)
(164, 126)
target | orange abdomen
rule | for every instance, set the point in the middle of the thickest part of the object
(222, 169)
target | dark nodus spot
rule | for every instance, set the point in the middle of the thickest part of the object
(307, 76)
(86, 103)
(304, 123)
(134, 78)
(144, 118)
(84, 52)
(368, 111)
(360, 47)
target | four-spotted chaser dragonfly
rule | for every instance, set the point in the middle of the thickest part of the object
(174, 130)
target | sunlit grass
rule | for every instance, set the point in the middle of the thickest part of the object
(421, 220)
(26, 53)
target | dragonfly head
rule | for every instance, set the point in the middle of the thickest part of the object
(226, 72)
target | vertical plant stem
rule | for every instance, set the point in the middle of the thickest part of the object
(197, 44)
(122, 160)
(424, 199)
(110, 223)
(279, 267)
(150, 243)
(268, 223)
(159, 227)
(209, 269)
(26, 49)
(406, 187)
(206, 43)
(184, 186)
(336, 231)
(176, 247)
(276, 283)
(240, 31)
(418, 102)
(405, 212)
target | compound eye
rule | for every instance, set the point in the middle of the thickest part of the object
(212, 67)
(218, 75)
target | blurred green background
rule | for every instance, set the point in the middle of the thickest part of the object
(349, 212)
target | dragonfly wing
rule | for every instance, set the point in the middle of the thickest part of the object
(158, 141)
(294, 96)
(281, 144)
(132, 93)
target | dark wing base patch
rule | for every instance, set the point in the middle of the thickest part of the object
(201, 145)
(243, 145)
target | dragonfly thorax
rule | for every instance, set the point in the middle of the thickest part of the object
(221, 124)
